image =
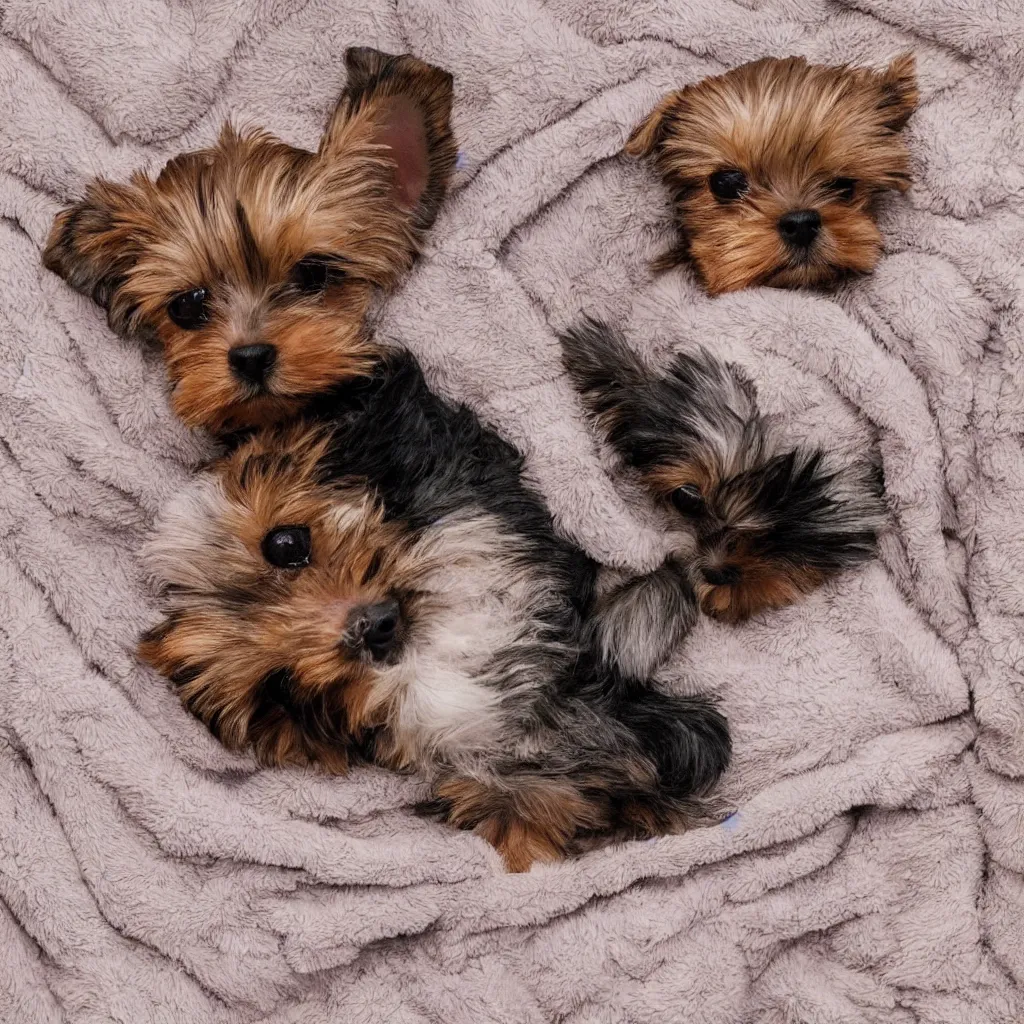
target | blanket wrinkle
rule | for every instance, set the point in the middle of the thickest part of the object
(875, 869)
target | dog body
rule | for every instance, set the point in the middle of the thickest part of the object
(775, 167)
(378, 575)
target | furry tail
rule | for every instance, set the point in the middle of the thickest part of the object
(635, 627)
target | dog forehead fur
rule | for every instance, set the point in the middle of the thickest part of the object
(788, 121)
(190, 231)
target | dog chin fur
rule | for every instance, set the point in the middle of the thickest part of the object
(253, 263)
(743, 153)
(770, 522)
(485, 679)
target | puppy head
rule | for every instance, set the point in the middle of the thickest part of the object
(253, 262)
(770, 524)
(284, 594)
(300, 617)
(775, 167)
(771, 532)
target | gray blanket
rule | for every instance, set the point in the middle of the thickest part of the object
(875, 869)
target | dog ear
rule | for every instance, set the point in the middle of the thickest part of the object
(649, 134)
(93, 244)
(899, 93)
(619, 392)
(405, 104)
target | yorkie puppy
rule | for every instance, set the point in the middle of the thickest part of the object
(376, 577)
(253, 262)
(770, 523)
(775, 166)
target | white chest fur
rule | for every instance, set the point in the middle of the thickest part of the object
(481, 614)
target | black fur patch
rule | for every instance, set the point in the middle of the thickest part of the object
(254, 262)
(427, 459)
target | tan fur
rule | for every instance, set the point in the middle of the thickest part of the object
(362, 200)
(535, 818)
(791, 127)
(523, 821)
(664, 479)
(219, 659)
(764, 586)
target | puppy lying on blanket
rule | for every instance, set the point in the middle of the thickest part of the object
(775, 168)
(254, 263)
(374, 575)
(377, 574)
(770, 522)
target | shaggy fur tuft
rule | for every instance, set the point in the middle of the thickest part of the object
(637, 624)
(771, 524)
(376, 575)
(253, 263)
(775, 166)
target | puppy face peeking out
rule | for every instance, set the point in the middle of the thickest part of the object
(285, 596)
(771, 524)
(253, 262)
(775, 166)
(300, 616)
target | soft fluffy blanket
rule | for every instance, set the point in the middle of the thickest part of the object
(875, 869)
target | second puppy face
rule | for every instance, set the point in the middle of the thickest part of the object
(775, 165)
(253, 263)
(301, 618)
(770, 523)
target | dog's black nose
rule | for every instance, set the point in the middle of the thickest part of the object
(722, 575)
(375, 627)
(800, 227)
(252, 363)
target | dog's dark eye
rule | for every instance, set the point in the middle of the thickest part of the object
(688, 500)
(842, 188)
(728, 184)
(190, 310)
(313, 273)
(287, 547)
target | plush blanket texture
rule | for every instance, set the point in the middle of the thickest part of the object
(874, 871)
